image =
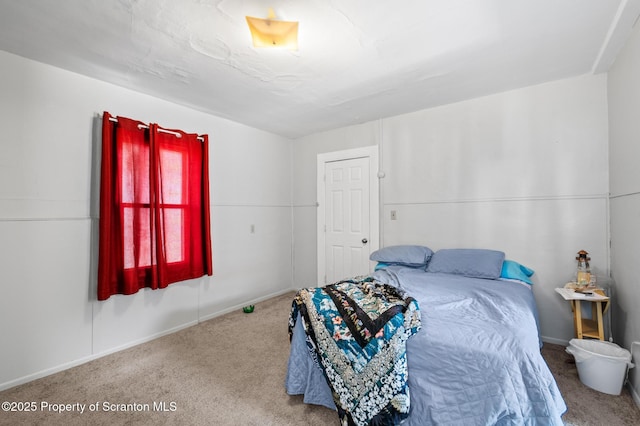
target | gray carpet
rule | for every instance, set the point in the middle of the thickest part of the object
(230, 371)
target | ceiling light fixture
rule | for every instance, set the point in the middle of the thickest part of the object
(273, 33)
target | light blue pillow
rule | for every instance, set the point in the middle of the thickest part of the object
(514, 271)
(381, 265)
(474, 263)
(407, 255)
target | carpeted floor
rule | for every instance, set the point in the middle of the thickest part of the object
(229, 371)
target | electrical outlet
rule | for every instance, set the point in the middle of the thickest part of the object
(394, 216)
(252, 229)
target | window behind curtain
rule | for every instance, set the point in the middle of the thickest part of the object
(154, 207)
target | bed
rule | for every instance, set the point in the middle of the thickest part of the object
(475, 358)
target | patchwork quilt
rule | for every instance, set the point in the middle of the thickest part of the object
(357, 330)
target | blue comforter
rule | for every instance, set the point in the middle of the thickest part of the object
(476, 360)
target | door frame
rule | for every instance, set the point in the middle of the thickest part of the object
(370, 152)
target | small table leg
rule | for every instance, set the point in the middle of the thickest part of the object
(577, 312)
(600, 323)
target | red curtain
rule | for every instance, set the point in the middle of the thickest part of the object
(154, 207)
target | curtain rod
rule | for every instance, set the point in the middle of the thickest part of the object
(160, 129)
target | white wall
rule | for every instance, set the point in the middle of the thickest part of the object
(49, 316)
(524, 172)
(305, 151)
(624, 153)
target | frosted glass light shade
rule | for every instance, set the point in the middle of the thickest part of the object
(273, 33)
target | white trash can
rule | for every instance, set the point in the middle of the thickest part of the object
(601, 365)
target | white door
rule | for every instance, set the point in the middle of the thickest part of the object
(349, 229)
(346, 218)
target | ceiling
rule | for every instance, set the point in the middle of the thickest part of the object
(358, 60)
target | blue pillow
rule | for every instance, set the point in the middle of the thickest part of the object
(381, 265)
(514, 271)
(407, 255)
(474, 263)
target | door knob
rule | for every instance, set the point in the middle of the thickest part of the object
(365, 241)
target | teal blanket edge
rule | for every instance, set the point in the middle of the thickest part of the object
(356, 331)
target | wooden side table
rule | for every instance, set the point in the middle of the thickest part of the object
(585, 327)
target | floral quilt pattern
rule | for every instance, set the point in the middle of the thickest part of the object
(357, 331)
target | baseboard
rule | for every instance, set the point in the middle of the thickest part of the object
(83, 360)
(554, 341)
(633, 375)
(240, 305)
(46, 372)
(634, 394)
